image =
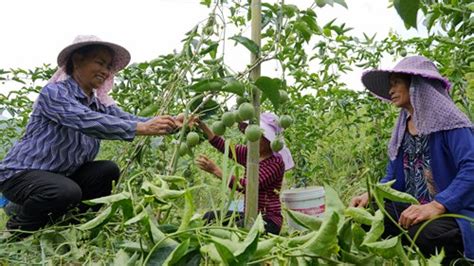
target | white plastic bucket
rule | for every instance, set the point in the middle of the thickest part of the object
(309, 200)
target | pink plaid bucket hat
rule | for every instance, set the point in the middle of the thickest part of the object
(121, 55)
(377, 81)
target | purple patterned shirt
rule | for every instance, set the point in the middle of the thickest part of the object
(64, 131)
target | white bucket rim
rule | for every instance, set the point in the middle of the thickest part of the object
(300, 194)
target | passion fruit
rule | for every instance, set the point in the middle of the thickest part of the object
(253, 133)
(228, 119)
(237, 117)
(283, 96)
(285, 121)
(277, 145)
(246, 111)
(183, 149)
(218, 128)
(192, 139)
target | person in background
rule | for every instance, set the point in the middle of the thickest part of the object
(431, 154)
(272, 166)
(52, 168)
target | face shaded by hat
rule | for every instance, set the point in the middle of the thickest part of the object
(378, 81)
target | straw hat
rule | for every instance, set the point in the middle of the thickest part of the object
(120, 59)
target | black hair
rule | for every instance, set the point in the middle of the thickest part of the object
(84, 51)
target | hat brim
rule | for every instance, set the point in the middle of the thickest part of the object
(378, 81)
(120, 60)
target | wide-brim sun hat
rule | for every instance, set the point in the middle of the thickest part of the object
(120, 59)
(377, 81)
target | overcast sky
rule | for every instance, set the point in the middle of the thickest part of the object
(33, 31)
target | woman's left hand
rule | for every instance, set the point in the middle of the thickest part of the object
(419, 213)
(208, 165)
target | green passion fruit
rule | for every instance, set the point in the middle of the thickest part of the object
(253, 133)
(218, 128)
(285, 121)
(277, 145)
(192, 139)
(228, 119)
(246, 111)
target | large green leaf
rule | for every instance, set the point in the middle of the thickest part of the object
(249, 246)
(249, 44)
(376, 229)
(304, 220)
(188, 211)
(264, 247)
(386, 191)
(177, 253)
(359, 215)
(325, 242)
(205, 85)
(100, 219)
(270, 89)
(332, 201)
(407, 10)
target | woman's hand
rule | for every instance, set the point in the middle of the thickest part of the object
(159, 125)
(419, 213)
(203, 126)
(192, 120)
(208, 165)
(360, 201)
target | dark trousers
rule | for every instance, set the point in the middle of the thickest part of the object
(44, 196)
(270, 226)
(440, 233)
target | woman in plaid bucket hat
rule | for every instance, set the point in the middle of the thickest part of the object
(272, 166)
(431, 154)
(52, 167)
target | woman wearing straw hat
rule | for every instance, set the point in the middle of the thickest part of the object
(431, 155)
(272, 166)
(52, 168)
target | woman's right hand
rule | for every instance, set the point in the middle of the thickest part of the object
(360, 201)
(159, 125)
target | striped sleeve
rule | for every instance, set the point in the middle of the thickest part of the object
(268, 174)
(56, 104)
(118, 112)
(240, 150)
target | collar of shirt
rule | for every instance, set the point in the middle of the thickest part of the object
(82, 97)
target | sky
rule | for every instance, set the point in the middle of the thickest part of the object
(34, 32)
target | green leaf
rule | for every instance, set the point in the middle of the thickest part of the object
(437, 259)
(109, 199)
(325, 242)
(99, 220)
(270, 89)
(376, 229)
(205, 85)
(162, 194)
(177, 253)
(341, 2)
(407, 10)
(359, 215)
(264, 247)
(304, 30)
(211, 48)
(142, 215)
(149, 110)
(226, 255)
(206, 110)
(249, 44)
(332, 201)
(344, 236)
(234, 86)
(388, 249)
(249, 246)
(358, 235)
(304, 220)
(386, 191)
(121, 258)
(188, 211)
(300, 240)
